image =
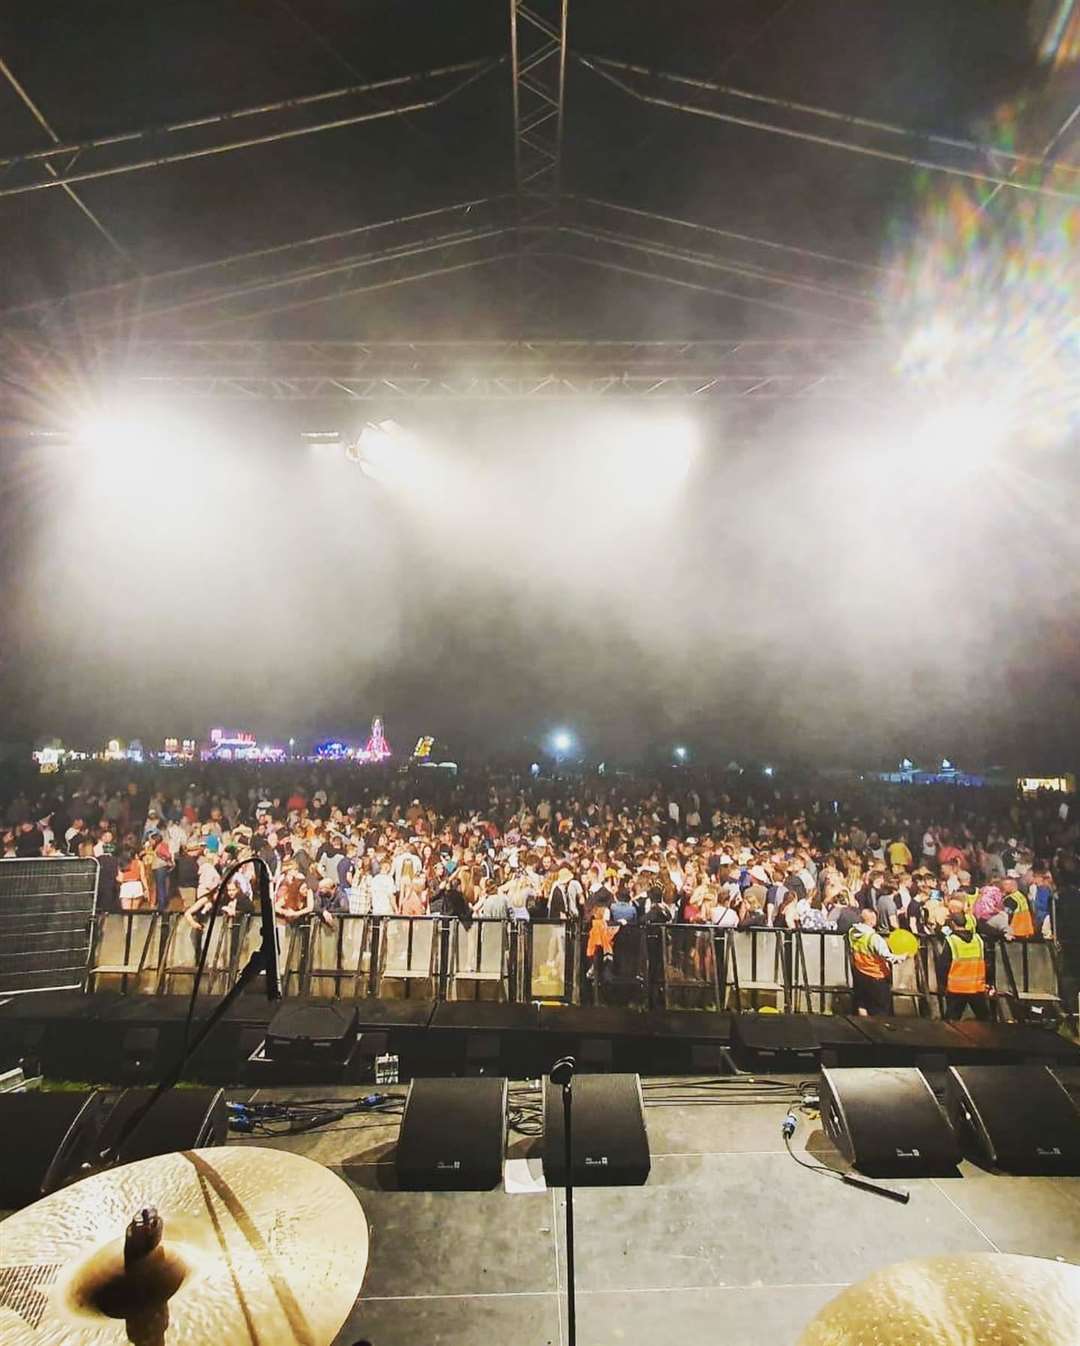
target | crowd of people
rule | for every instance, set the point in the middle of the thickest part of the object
(605, 852)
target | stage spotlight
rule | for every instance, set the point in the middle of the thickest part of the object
(562, 740)
(680, 753)
(113, 433)
(959, 440)
(377, 448)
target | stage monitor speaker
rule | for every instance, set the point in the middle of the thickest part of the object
(182, 1119)
(47, 1136)
(1017, 1118)
(453, 1135)
(608, 1138)
(887, 1122)
(312, 1031)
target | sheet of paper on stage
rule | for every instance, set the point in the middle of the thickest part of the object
(524, 1175)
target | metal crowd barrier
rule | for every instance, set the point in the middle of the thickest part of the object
(442, 958)
(47, 909)
(690, 969)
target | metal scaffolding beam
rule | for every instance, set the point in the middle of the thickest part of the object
(171, 290)
(606, 67)
(593, 204)
(612, 240)
(491, 370)
(54, 174)
(538, 69)
(469, 70)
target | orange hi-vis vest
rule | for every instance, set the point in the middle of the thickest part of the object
(1022, 924)
(967, 971)
(863, 957)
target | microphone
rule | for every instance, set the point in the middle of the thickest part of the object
(563, 1071)
(787, 1129)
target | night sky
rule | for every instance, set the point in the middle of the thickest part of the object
(809, 590)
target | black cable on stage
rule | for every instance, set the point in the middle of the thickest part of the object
(788, 1126)
(296, 1117)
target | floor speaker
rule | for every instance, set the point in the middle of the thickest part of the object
(182, 1119)
(312, 1030)
(887, 1122)
(1017, 1118)
(610, 1147)
(453, 1135)
(47, 1136)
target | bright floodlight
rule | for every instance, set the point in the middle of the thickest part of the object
(562, 741)
(387, 454)
(644, 462)
(680, 753)
(112, 434)
(768, 770)
(959, 440)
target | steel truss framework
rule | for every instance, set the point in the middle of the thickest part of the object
(239, 292)
(496, 370)
(538, 66)
(190, 329)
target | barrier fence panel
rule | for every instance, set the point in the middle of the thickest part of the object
(549, 962)
(689, 976)
(928, 951)
(47, 910)
(909, 988)
(294, 952)
(821, 971)
(673, 966)
(339, 959)
(248, 938)
(183, 946)
(126, 951)
(755, 966)
(408, 953)
(1031, 970)
(479, 955)
(622, 978)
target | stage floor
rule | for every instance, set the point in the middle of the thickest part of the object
(730, 1243)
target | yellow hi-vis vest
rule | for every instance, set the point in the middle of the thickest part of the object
(863, 957)
(1022, 924)
(967, 971)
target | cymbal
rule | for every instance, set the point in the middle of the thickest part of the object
(995, 1299)
(260, 1246)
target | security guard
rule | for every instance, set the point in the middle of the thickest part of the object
(1022, 922)
(871, 966)
(962, 971)
(960, 909)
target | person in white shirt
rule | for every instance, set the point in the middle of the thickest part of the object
(209, 878)
(726, 917)
(176, 835)
(383, 891)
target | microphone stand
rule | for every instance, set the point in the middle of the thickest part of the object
(263, 959)
(562, 1073)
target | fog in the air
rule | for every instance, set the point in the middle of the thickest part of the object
(827, 587)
